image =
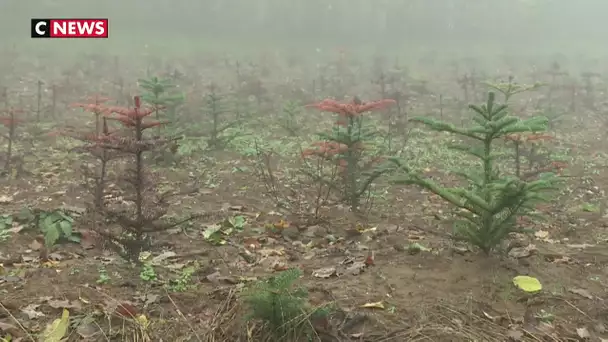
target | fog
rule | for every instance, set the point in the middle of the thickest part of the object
(388, 155)
(413, 27)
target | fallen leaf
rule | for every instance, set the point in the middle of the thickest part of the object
(324, 272)
(522, 252)
(282, 224)
(214, 278)
(356, 268)
(64, 304)
(142, 321)
(527, 284)
(148, 299)
(541, 234)
(157, 260)
(56, 331)
(35, 245)
(31, 312)
(582, 292)
(252, 243)
(415, 248)
(583, 333)
(375, 305)
(5, 199)
(55, 257)
(145, 255)
(50, 264)
(268, 252)
(279, 266)
(15, 229)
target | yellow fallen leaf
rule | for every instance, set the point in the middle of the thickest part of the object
(282, 224)
(143, 322)
(56, 331)
(50, 264)
(143, 256)
(527, 284)
(375, 305)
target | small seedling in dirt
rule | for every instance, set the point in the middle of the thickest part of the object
(344, 148)
(103, 277)
(489, 208)
(216, 233)
(283, 307)
(183, 282)
(235, 223)
(147, 273)
(55, 225)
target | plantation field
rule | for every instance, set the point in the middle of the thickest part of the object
(265, 197)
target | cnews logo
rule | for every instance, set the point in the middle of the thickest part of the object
(69, 28)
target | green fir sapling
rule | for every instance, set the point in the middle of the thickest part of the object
(289, 119)
(490, 206)
(511, 88)
(219, 113)
(283, 307)
(160, 94)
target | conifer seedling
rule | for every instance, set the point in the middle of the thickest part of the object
(491, 203)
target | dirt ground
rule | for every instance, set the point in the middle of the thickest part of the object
(415, 284)
(440, 294)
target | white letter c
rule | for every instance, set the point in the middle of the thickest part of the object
(37, 28)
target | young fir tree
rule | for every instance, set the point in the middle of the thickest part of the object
(282, 305)
(159, 94)
(493, 201)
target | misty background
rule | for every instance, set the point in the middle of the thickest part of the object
(418, 27)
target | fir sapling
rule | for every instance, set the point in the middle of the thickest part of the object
(490, 205)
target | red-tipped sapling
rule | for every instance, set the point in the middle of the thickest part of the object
(345, 146)
(144, 206)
